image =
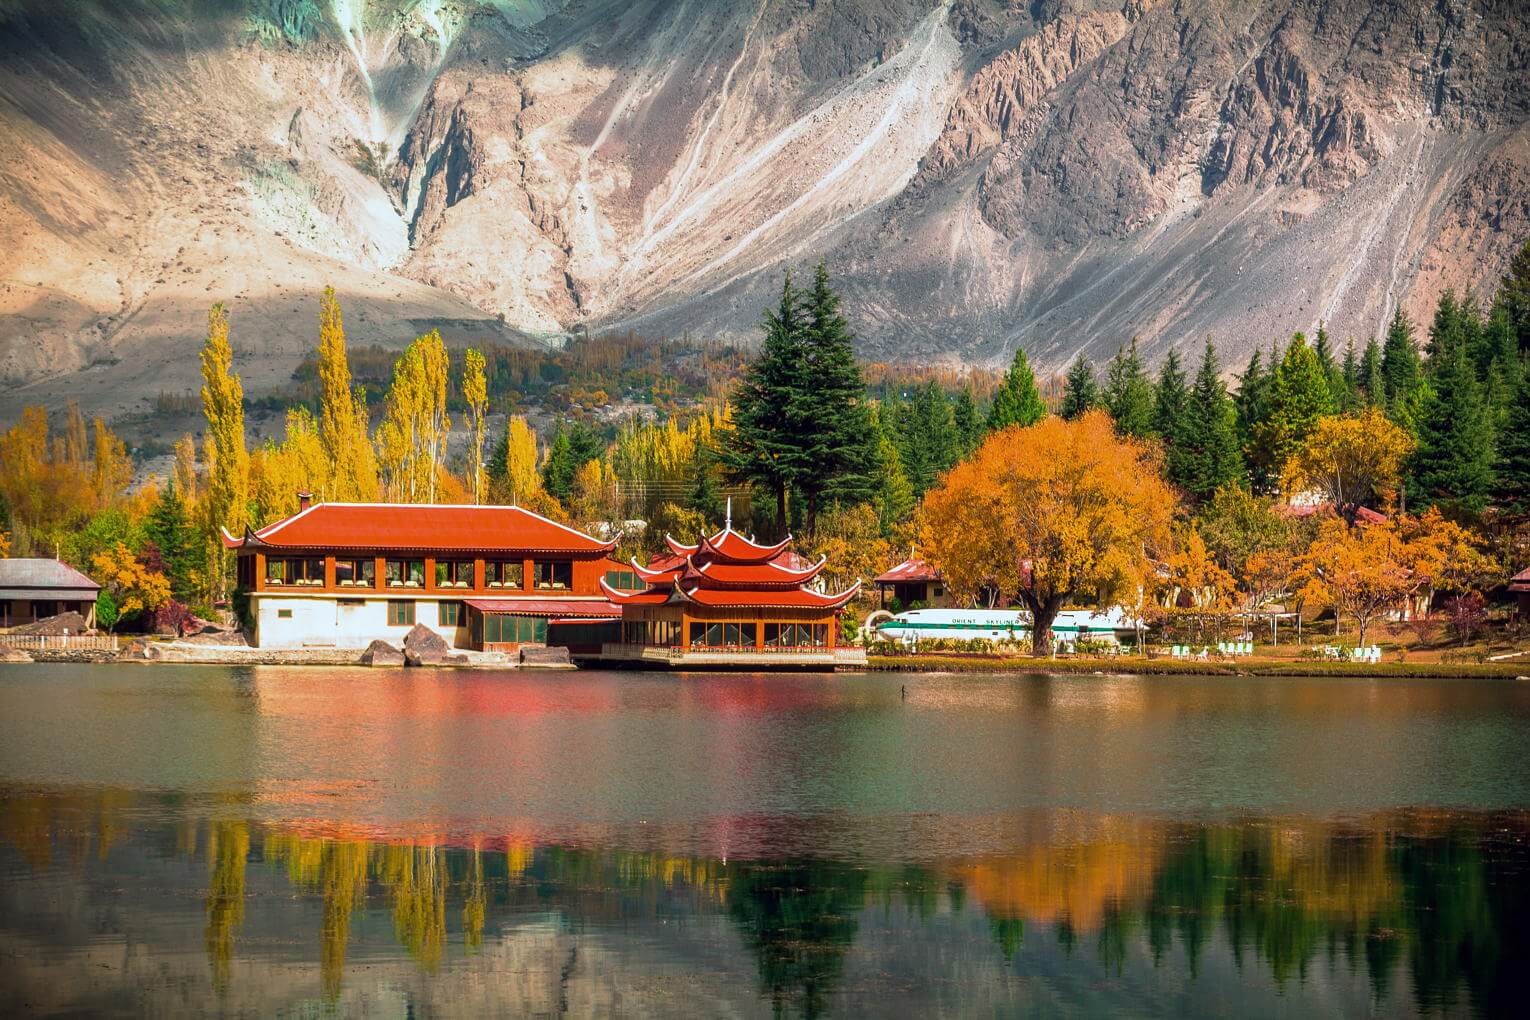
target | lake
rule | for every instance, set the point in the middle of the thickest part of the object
(263, 840)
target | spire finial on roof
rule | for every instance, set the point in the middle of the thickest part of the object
(728, 523)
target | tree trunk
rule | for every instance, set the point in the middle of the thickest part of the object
(1043, 614)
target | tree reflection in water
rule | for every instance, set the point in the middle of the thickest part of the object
(1442, 895)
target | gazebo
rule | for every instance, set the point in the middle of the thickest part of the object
(728, 600)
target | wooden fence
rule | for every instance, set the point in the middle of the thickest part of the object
(47, 642)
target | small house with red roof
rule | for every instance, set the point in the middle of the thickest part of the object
(912, 583)
(1519, 587)
(342, 575)
(729, 601)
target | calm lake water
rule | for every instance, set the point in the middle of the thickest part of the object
(255, 841)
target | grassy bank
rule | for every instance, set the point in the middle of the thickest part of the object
(957, 663)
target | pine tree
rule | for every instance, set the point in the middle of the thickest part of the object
(1299, 396)
(1080, 391)
(969, 425)
(928, 446)
(1511, 491)
(894, 495)
(1207, 456)
(1453, 467)
(1017, 401)
(1348, 392)
(762, 446)
(1514, 297)
(1402, 373)
(1253, 412)
(1373, 388)
(573, 446)
(1169, 399)
(169, 529)
(1129, 394)
(836, 420)
(1322, 346)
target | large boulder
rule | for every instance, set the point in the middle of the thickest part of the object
(546, 657)
(424, 647)
(135, 650)
(380, 653)
(63, 623)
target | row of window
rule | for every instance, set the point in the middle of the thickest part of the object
(552, 575)
(402, 614)
(498, 628)
(661, 633)
(777, 635)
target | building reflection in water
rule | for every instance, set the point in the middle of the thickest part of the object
(1438, 900)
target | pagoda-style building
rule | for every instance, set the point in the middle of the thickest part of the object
(729, 601)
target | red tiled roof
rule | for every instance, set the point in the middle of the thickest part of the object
(730, 545)
(647, 597)
(763, 575)
(1363, 514)
(560, 608)
(909, 571)
(419, 526)
(789, 598)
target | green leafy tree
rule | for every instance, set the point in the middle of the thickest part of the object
(106, 610)
(1206, 455)
(1080, 391)
(1017, 401)
(572, 447)
(1129, 395)
(1299, 396)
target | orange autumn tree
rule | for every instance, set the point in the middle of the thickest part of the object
(1050, 514)
(1355, 460)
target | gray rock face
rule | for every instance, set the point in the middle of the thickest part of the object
(424, 647)
(979, 175)
(9, 654)
(380, 653)
(545, 657)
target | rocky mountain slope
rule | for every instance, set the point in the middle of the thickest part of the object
(1061, 174)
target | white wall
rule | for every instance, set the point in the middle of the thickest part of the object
(320, 621)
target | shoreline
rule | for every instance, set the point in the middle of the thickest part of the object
(938, 663)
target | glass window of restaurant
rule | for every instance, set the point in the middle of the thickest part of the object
(308, 571)
(356, 573)
(405, 573)
(454, 573)
(557, 575)
(499, 628)
(796, 635)
(502, 573)
(723, 635)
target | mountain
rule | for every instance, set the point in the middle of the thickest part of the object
(1061, 174)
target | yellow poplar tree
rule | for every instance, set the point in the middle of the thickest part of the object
(1355, 460)
(112, 469)
(299, 464)
(475, 390)
(228, 483)
(412, 436)
(342, 414)
(522, 477)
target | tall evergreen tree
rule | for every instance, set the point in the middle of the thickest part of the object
(1372, 382)
(1207, 455)
(1128, 393)
(1348, 393)
(1253, 411)
(168, 527)
(1169, 398)
(1299, 396)
(894, 496)
(763, 444)
(1322, 346)
(1017, 401)
(1453, 466)
(1514, 297)
(1402, 373)
(572, 447)
(928, 446)
(833, 450)
(969, 425)
(1080, 392)
(1511, 491)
